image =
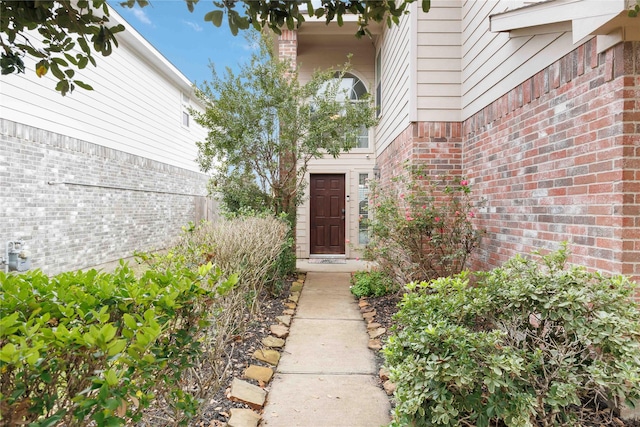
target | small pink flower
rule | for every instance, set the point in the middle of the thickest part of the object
(464, 182)
(419, 176)
(457, 213)
(424, 206)
(409, 218)
(402, 195)
(472, 214)
(357, 259)
(347, 241)
(437, 219)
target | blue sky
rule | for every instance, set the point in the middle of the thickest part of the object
(185, 39)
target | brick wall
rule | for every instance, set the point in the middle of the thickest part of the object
(288, 46)
(438, 145)
(125, 202)
(557, 159)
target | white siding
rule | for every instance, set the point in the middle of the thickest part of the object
(135, 107)
(397, 64)
(494, 63)
(439, 56)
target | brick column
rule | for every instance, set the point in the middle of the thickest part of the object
(288, 45)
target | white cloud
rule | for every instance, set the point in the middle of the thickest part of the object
(142, 16)
(194, 26)
(250, 46)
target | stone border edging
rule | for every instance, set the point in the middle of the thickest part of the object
(255, 396)
(375, 331)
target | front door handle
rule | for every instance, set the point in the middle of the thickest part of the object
(343, 216)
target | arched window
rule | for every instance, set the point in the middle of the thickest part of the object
(353, 89)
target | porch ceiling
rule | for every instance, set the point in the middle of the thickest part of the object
(315, 33)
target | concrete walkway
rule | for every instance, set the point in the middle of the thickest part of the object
(327, 375)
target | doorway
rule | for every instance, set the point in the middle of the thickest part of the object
(327, 214)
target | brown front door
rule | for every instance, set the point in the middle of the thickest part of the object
(327, 214)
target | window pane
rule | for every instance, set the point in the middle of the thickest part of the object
(363, 208)
(378, 83)
(363, 138)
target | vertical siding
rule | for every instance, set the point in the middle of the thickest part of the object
(134, 108)
(494, 63)
(439, 57)
(395, 47)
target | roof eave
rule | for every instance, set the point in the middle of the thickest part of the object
(582, 17)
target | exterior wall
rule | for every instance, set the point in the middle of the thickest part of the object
(436, 144)
(360, 53)
(439, 62)
(558, 159)
(128, 202)
(494, 63)
(136, 105)
(121, 162)
(398, 66)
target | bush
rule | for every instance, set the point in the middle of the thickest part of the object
(531, 344)
(255, 247)
(371, 283)
(422, 228)
(249, 247)
(87, 346)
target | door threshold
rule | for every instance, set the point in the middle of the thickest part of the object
(328, 256)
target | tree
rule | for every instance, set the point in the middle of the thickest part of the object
(64, 24)
(265, 123)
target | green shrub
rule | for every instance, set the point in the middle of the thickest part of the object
(422, 228)
(531, 344)
(371, 283)
(84, 346)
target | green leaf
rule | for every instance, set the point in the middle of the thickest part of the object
(60, 61)
(215, 17)
(83, 85)
(130, 321)
(8, 353)
(108, 332)
(9, 324)
(116, 347)
(111, 377)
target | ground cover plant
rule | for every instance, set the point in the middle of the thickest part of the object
(374, 283)
(422, 226)
(532, 343)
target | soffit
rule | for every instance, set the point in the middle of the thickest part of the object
(583, 18)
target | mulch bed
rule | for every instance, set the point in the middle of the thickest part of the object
(216, 412)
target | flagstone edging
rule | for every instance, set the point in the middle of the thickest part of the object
(375, 331)
(244, 390)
